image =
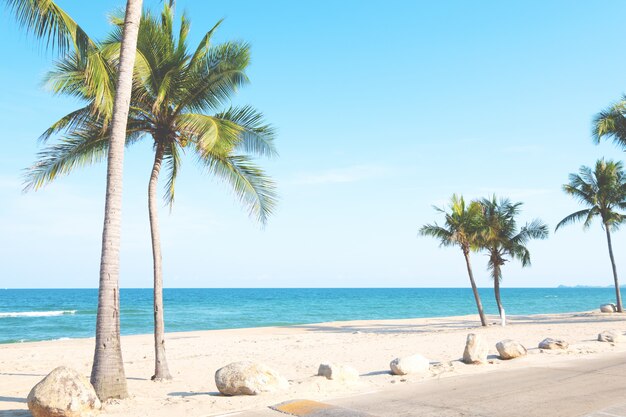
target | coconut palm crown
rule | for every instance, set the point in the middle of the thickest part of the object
(603, 191)
(174, 90)
(460, 229)
(610, 123)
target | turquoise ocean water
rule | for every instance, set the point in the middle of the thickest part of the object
(45, 314)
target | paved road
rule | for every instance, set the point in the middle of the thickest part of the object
(583, 387)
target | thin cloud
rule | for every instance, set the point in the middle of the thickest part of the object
(340, 175)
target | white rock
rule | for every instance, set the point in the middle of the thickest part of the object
(338, 372)
(248, 378)
(612, 336)
(476, 349)
(415, 364)
(549, 343)
(63, 393)
(510, 349)
(608, 308)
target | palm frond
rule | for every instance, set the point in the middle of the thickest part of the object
(45, 20)
(253, 188)
(172, 161)
(573, 218)
(257, 137)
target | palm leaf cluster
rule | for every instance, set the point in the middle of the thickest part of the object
(486, 225)
(180, 99)
(602, 190)
(500, 235)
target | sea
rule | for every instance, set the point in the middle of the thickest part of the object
(50, 314)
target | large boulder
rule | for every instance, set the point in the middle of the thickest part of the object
(510, 349)
(248, 378)
(337, 372)
(608, 308)
(549, 343)
(611, 336)
(415, 364)
(476, 349)
(63, 393)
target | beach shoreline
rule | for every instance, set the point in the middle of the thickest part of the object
(296, 351)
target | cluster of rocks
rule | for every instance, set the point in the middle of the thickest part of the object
(477, 349)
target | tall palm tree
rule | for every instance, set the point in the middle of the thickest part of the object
(47, 21)
(174, 91)
(603, 191)
(460, 229)
(502, 240)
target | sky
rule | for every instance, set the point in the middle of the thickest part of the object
(383, 109)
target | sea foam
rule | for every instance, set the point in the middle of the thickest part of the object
(36, 313)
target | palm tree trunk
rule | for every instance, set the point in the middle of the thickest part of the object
(479, 304)
(496, 290)
(107, 373)
(161, 370)
(618, 296)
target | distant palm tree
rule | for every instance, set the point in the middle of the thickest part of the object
(460, 229)
(500, 237)
(611, 123)
(47, 21)
(603, 191)
(174, 90)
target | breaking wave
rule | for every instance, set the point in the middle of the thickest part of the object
(36, 313)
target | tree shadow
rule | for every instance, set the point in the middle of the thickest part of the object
(12, 399)
(374, 373)
(194, 394)
(15, 413)
(15, 374)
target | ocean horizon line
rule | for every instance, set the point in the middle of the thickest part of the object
(560, 286)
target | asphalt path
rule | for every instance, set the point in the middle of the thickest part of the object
(580, 387)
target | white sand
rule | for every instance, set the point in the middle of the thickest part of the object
(296, 352)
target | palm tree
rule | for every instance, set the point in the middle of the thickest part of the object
(174, 90)
(47, 21)
(460, 229)
(603, 191)
(502, 240)
(611, 123)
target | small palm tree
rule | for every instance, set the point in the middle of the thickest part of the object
(502, 240)
(47, 21)
(603, 191)
(460, 229)
(174, 92)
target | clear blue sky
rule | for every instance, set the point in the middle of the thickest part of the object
(383, 109)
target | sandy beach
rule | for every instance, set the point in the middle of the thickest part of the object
(296, 352)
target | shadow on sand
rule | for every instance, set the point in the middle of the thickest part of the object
(193, 394)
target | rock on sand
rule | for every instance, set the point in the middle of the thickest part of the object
(63, 393)
(476, 349)
(415, 364)
(337, 372)
(248, 378)
(510, 349)
(611, 336)
(549, 343)
(608, 308)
